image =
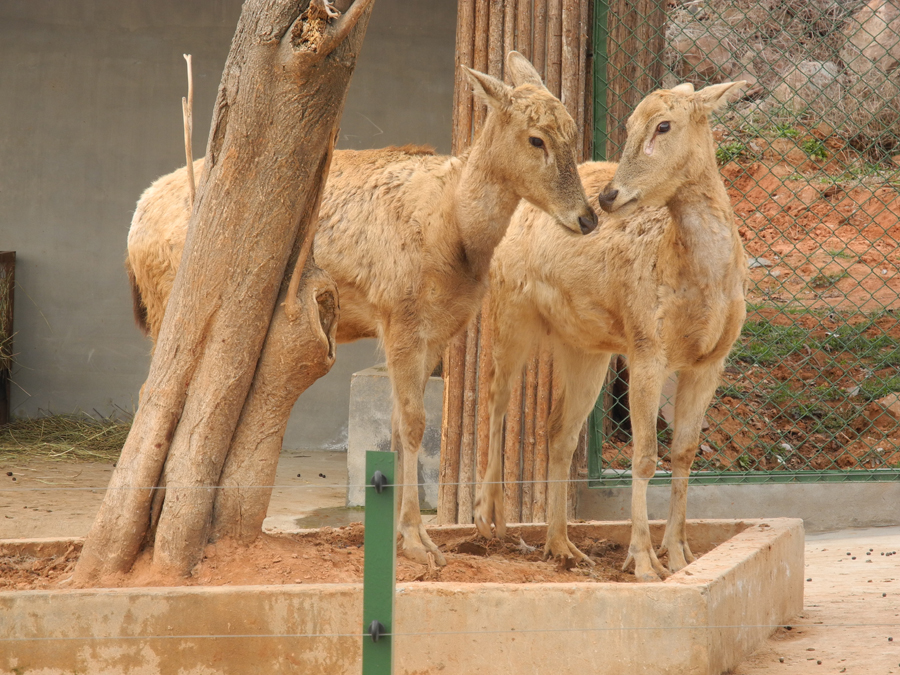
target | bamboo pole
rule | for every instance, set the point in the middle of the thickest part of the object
(539, 37)
(455, 356)
(495, 59)
(451, 433)
(528, 416)
(586, 77)
(512, 455)
(523, 28)
(480, 58)
(463, 100)
(570, 59)
(510, 8)
(553, 71)
(467, 454)
(495, 40)
(483, 420)
(541, 446)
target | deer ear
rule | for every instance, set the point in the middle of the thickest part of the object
(521, 71)
(684, 88)
(716, 96)
(489, 89)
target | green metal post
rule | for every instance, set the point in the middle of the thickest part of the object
(379, 574)
(601, 112)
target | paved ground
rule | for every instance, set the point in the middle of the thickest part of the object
(851, 618)
(60, 499)
(850, 624)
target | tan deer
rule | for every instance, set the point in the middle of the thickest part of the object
(663, 285)
(408, 237)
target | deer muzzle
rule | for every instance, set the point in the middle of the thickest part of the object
(588, 223)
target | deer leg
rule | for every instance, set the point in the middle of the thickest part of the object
(578, 378)
(510, 348)
(695, 390)
(646, 380)
(407, 367)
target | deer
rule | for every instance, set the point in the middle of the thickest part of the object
(662, 280)
(408, 237)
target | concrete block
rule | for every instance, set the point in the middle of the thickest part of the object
(870, 504)
(704, 620)
(370, 429)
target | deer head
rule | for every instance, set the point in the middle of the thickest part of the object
(529, 140)
(669, 144)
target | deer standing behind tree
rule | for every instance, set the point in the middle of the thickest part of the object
(665, 286)
(408, 237)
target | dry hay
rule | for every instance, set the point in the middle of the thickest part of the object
(76, 437)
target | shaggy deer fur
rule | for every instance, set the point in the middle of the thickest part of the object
(408, 237)
(663, 285)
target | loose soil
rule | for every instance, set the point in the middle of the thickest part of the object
(336, 555)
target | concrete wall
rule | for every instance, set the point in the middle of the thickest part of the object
(823, 507)
(91, 114)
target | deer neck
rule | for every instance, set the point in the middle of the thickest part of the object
(704, 233)
(483, 207)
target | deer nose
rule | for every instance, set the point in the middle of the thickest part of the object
(607, 197)
(588, 223)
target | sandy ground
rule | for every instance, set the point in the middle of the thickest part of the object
(852, 602)
(60, 499)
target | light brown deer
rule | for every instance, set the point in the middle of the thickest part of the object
(408, 237)
(663, 285)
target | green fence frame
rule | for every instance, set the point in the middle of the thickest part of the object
(601, 476)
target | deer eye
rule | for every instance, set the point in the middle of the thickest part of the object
(536, 142)
(663, 127)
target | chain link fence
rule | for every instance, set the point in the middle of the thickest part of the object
(811, 159)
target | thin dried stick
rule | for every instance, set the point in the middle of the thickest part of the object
(187, 110)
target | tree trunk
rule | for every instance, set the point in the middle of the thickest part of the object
(281, 94)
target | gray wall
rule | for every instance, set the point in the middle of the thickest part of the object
(90, 114)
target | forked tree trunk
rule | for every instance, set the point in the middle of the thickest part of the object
(226, 371)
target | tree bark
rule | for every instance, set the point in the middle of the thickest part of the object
(281, 94)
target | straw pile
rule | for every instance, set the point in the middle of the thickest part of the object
(64, 437)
